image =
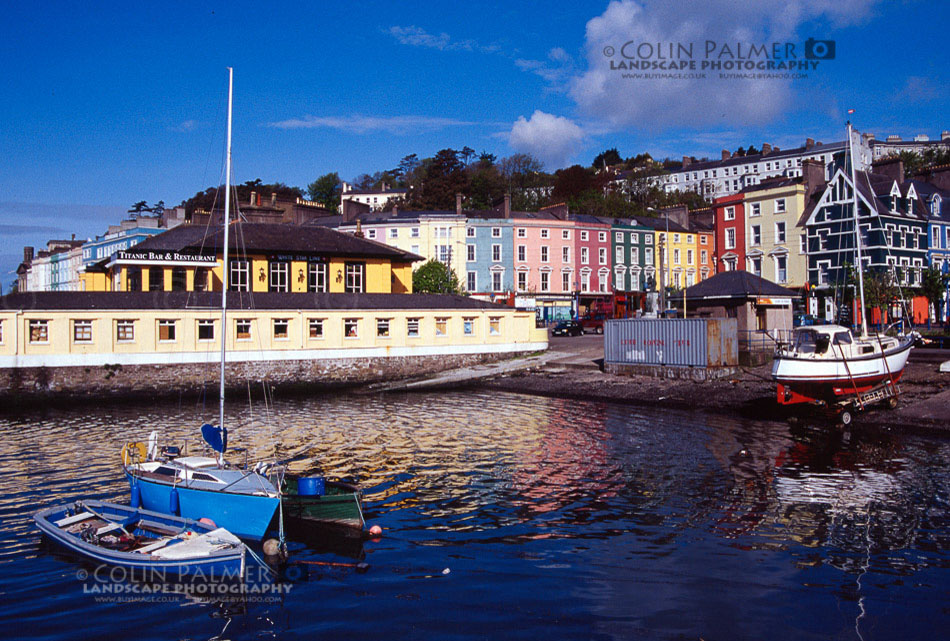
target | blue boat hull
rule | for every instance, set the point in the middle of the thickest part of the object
(245, 515)
(224, 565)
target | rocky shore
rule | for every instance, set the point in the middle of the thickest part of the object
(924, 404)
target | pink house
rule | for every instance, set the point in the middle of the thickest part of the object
(543, 252)
(592, 247)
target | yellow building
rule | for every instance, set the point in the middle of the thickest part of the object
(775, 245)
(263, 257)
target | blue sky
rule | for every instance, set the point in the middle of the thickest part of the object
(106, 104)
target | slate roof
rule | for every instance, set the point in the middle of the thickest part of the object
(773, 155)
(62, 301)
(273, 238)
(736, 284)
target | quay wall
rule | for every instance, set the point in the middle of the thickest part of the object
(33, 385)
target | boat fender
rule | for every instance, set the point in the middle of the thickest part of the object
(136, 500)
(207, 522)
(174, 505)
(133, 453)
(376, 531)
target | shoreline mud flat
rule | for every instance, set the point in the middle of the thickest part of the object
(924, 405)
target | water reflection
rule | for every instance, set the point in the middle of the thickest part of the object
(544, 505)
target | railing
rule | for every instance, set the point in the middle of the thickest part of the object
(759, 340)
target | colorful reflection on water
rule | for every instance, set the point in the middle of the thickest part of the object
(555, 518)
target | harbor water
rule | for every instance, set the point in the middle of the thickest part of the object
(517, 517)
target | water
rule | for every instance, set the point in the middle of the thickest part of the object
(555, 520)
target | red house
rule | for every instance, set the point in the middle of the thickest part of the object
(730, 232)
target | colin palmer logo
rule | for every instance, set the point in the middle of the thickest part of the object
(718, 56)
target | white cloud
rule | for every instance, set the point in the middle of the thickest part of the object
(551, 139)
(654, 103)
(556, 70)
(358, 124)
(185, 127)
(418, 37)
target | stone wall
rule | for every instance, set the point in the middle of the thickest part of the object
(42, 385)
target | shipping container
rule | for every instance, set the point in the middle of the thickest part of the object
(673, 342)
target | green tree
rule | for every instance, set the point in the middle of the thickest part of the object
(608, 157)
(880, 288)
(433, 277)
(443, 177)
(934, 286)
(139, 207)
(326, 190)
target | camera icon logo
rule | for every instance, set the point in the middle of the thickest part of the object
(819, 49)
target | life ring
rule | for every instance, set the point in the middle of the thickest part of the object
(133, 453)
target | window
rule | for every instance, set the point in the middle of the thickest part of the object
(522, 232)
(441, 325)
(648, 239)
(780, 206)
(756, 265)
(205, 330)
(412, 327)
(703, 257)
(279, 276)
(676, 256)
(413, 232)
(351, 327)
(545, 233)
(494, 325)
(317, 277)
(156, 279)
(382, 327)
(444, 253)
(496, 253)
(602, 255)
(618, 281)
(756, 209)
(618, 254)
(125, 331)
(472, 281)
(565, 281)
(584, 255)
(179, 279)
(756, 235)
(634, 255)
(394, 232)
(544, 253)
(618, 236)
(468, 326)
(522, 253)
(780, 232)
(689, 256)
(242, 329)
(354, 277)
(470, 253)
(281, 329)
(583, 235)
(166, 331)
(315, 328)
(496, 281)
(803, 243)
(470, 232)
(565, 234)
(522, 281)
(781, 269)
(565, 254)
(676, 238)
(648, 255)
(496, 232)
(602, 236)
(371, 233)
(82, 331)
(239, 279)
(545, 281)
(133, 279)
(201, 279)
(730, 213)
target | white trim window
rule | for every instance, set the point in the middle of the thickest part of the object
(82, 331)
(317, 280)
(412, 327)
(496, 253)
(545, 233)
(781, 269)
(756, 235)
(166, 331)
(281, 329)
(205, 330)
(545, 281)
(351, 328)
(470, 253)
(382, 327)
(472, 278)
(496, 232)
(279, 276)
(125, 331)
(602, 255)
(780, 232)
(780, 206)
(468, 325)
(730, 213)
(239, 276)
(242, 329)
(545, 253)
(315, 328)
(522, 253)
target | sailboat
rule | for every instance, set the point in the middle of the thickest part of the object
(162, 480)
(829, 365)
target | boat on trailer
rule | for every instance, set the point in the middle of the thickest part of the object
(137, 539)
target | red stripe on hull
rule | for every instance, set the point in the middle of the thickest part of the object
(790, 393)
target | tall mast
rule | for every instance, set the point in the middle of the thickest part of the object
(224, 270)
(857, 235)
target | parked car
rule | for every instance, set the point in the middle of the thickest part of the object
(595, 325)
(567, 328)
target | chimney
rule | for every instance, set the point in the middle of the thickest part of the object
(273, 199)
(74, 237)
(507, 205)
(893, 138)
(686, 161)
(818, 144)
(27, 254)
(726, 155)
(346, 187)
(813, 176)
(359, 229)
(679, 214)
(868, 137)
(809, 143)
(458, 204)
(766, 148)
(892, 167)
(253, 199)
(384, 187)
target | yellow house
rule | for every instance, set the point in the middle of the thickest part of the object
(677, 255)
(262, 257)
(775, 246)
